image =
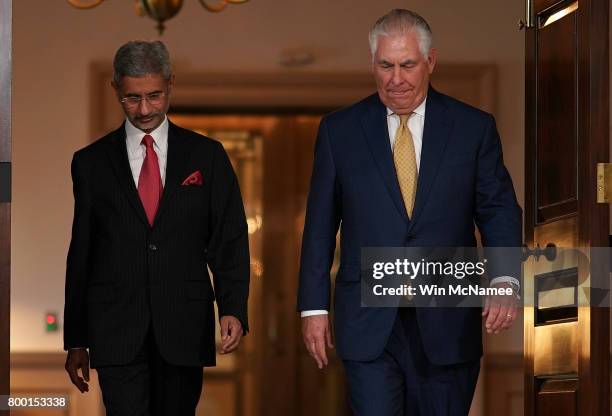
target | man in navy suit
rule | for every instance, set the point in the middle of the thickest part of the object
(407, 166)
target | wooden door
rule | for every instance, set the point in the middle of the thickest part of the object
(5, 191)
(566, 128)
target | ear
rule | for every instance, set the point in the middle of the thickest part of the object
(431, 59)
(170, 83)
(116, 88)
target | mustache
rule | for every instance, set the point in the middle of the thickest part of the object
(156, 114)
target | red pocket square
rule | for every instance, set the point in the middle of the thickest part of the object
(194, 179)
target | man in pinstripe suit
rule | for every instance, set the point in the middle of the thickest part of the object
(155, 205)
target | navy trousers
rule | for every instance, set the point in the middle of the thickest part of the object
(402, 382)
(149, 386)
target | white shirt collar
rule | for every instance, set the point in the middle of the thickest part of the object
(134, 135)
(420, 110)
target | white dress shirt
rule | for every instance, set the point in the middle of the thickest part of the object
(136, 150)
(416, 123)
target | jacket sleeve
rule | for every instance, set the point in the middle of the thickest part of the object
(498, 215)
(228, 250)
(77, 264)
(320, 229)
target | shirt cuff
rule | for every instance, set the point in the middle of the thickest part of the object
(505, 279)
(304, 314)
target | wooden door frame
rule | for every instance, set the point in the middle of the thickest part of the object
(5, 192)
(594, 88)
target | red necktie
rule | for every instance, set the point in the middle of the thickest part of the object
(149, 182)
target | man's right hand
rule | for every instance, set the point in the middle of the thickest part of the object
(78, 358)
(317, 336)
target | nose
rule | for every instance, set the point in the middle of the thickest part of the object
(396, 78)
(144, 107)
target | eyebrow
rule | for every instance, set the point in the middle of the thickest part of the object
(133, 94)
(406, 62)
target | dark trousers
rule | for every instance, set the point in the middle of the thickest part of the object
(149, 386)
(402, 382)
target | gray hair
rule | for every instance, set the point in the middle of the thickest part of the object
(401, 22)
(138, 58)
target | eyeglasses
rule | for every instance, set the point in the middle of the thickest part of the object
(134, 100)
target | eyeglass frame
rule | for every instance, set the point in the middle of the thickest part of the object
(135, 100)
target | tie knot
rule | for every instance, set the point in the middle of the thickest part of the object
(147, 140)
(404, 119)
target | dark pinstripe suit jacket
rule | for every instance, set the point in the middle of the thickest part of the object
(124, 275)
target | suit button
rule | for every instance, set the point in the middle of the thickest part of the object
(152, 247)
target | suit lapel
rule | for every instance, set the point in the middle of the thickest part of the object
(117, 152)
(374, 123)
(176, 165)
(436, 133)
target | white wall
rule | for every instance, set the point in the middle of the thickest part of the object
(54, 45)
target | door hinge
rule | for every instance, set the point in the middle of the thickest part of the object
(604, 183)
(5, 182)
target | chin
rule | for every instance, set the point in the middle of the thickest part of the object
(404, 105)
(148, 126)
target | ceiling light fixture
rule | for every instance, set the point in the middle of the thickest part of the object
(159, 10)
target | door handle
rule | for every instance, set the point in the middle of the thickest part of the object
(549, 252)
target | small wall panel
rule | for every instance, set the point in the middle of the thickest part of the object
(557, 397)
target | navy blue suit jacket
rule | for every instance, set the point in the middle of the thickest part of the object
(462, 183)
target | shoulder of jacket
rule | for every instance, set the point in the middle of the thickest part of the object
(196, 138)
(463, 109)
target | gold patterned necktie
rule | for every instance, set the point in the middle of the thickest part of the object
(404, 158)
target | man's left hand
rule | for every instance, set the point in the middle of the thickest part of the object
(231, 334)
(499, 311)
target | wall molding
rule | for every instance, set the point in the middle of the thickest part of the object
(210, 91)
